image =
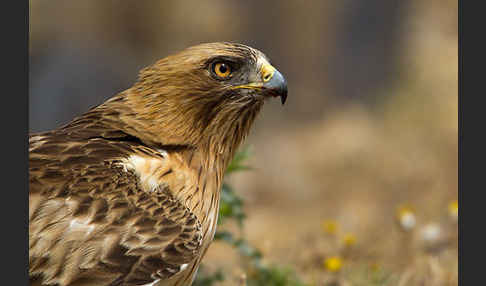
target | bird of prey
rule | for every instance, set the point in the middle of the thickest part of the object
(128, 193)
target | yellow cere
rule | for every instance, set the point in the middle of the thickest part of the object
(333, 264)
(267, 71)
(330, 227)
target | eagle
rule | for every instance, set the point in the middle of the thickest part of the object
(128, 193)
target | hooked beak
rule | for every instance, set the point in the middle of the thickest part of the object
(276, 85)
(272, 83)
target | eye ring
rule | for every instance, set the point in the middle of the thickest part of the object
(222, 70)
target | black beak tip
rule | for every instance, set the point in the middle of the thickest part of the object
(283, 95)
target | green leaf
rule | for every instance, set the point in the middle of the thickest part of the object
(230, 206)
(247, 250)
(225, 236)
(206, 279)
(237, 162)
(273, 276)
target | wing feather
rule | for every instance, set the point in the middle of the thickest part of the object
(91, 221)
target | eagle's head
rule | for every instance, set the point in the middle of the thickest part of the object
(206, 94)
(214, 72)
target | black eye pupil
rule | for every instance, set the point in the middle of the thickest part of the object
(223, 68)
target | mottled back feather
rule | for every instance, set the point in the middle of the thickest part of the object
(90, 220)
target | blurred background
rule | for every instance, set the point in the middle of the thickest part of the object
(369, 131)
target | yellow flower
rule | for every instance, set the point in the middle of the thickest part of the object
(349, 239)
(333, 264)
(330, 227)
(453, 208)
(406, 217)
(374, 267)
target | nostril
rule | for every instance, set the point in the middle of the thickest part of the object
(266, 77)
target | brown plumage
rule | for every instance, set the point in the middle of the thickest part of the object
(128, 193)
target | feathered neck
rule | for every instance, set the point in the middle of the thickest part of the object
(210, 131)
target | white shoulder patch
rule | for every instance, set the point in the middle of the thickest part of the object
(148, 169)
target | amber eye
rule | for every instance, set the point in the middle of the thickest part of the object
(222, 70)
